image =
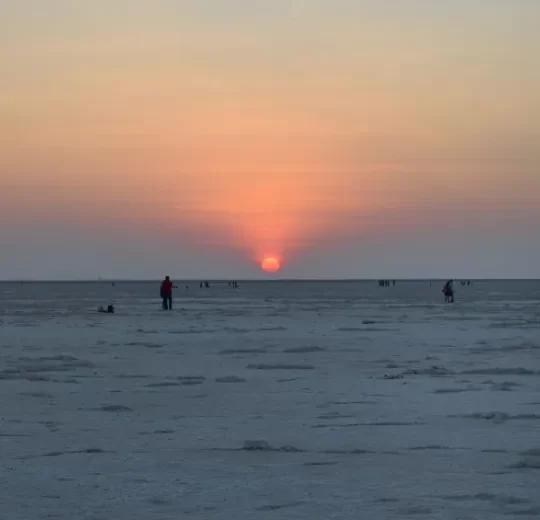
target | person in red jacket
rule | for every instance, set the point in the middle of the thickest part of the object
(166, 293)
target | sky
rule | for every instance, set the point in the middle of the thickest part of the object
(195, 138)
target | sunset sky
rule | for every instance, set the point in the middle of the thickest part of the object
(345, 138)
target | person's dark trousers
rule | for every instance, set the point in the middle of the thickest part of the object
(167, 302)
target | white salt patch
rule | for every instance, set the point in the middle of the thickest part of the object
(153, 430)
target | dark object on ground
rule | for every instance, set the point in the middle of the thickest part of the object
(108, 310)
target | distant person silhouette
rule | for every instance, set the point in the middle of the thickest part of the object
(448, 291)
(166, 293)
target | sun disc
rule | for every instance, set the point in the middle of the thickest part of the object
(270, 264)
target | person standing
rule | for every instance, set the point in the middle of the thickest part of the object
(448, 291)
(166, 293)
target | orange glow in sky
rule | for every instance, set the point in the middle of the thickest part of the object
(310, 134)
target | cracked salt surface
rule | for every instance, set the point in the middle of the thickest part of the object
(286, 400)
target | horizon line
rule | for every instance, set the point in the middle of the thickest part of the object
(256, 280)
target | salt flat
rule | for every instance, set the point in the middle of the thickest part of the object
(299, 400)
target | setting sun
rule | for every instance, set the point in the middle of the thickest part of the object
(270, 264)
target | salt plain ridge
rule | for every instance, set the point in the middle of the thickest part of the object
(334, 400)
